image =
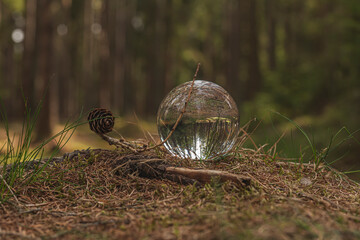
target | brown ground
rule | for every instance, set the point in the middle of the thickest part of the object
(82, 198)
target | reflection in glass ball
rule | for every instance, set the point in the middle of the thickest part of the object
(209, 126)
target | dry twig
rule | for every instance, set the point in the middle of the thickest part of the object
(11, 191)
(124, 144)
(205, 175)
(182, 111)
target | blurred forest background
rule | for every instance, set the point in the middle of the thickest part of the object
(300, 58)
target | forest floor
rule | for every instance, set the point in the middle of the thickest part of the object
(82, 197)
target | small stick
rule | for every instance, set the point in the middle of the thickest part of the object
(116, 142)
(249, 136)
(205, 175)
(124, 144)
(11, 191)
(275, 145)
(180, 116)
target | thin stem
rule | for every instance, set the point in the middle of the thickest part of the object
(124, 144)
(181, 114)
(11, 191)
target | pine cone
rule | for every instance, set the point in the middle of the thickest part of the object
(101, 120)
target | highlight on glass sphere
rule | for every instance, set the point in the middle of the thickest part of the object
(209, 126)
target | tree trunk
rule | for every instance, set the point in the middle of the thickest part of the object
(168, 48)
(75, 39)
(63, 67)
(43, 70)
(270, 12)
(253, 82)
(104, 55)
(29, 52)
(121, 89)
(131, 96)
(232, 49)
(7, 60)
(154, 57)
(87, 95)
(292, 23)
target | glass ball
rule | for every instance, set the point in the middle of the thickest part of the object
(209, 126)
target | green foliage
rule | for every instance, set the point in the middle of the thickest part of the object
(17, 152)
(15, 5)
(296, 141)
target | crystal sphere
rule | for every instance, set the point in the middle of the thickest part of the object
(209, 126)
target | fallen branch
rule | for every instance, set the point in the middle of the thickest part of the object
(11, 191)
(150, 166)
(205, 175)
